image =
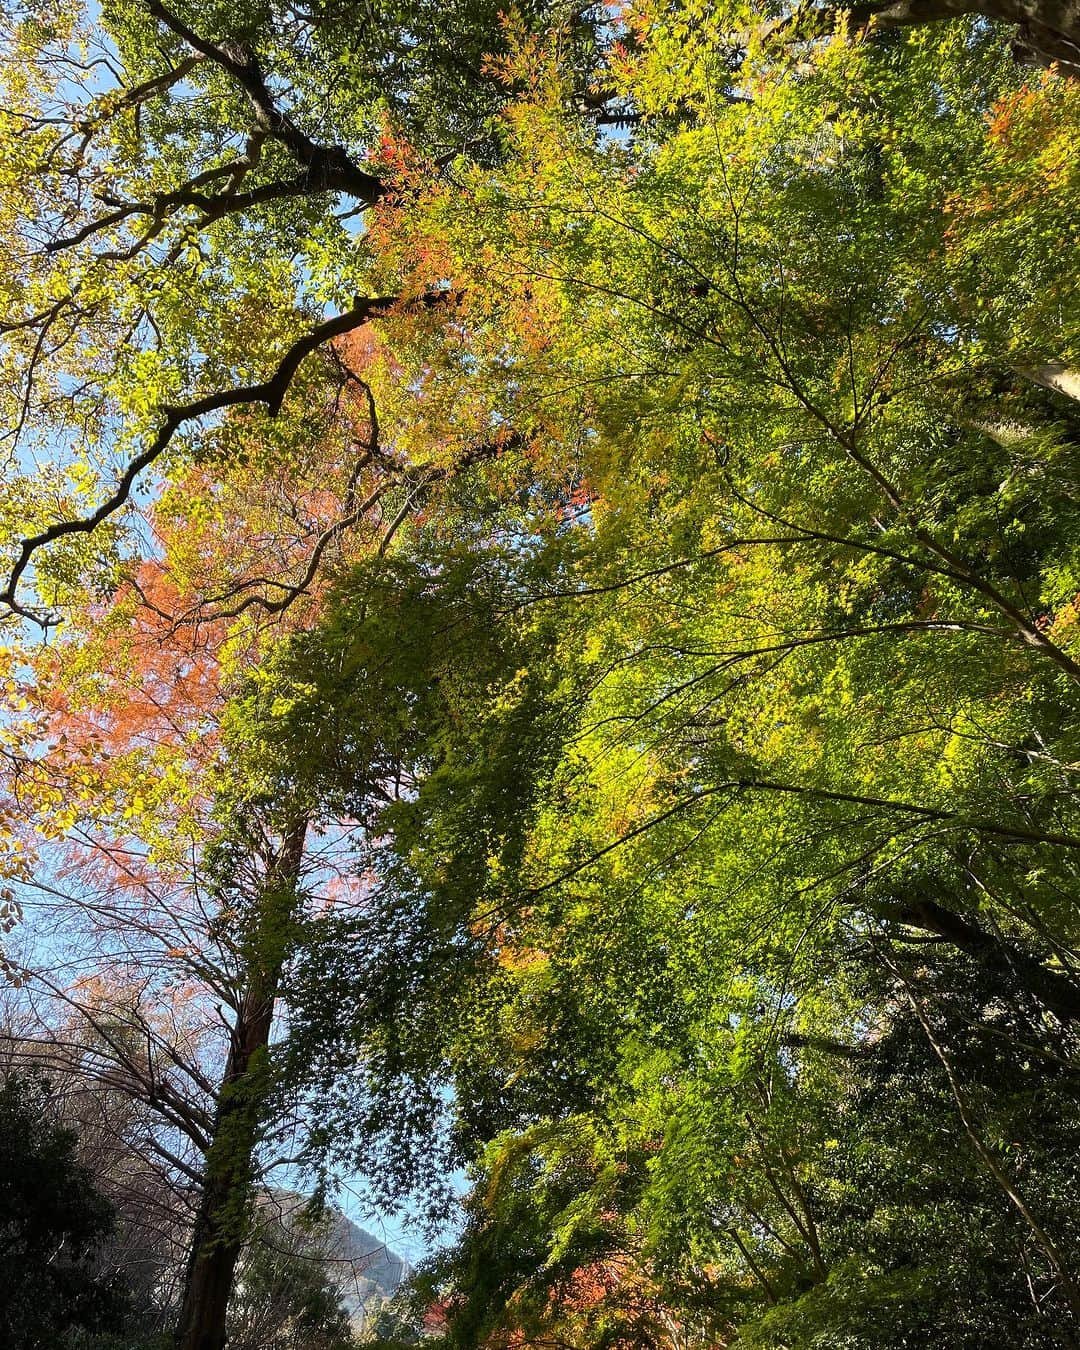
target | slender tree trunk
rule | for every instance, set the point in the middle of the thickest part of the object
(221, 1222)
(1057, 1259)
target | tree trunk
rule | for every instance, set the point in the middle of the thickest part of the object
(1056, 376)
(221, 1222)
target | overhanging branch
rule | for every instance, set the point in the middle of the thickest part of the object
(270, 392)
(738, 786)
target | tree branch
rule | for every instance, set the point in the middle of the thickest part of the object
(739, 785)
(271, 392)
(329, 168)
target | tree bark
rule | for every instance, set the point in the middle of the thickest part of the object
(1055, 376)
(221, 1221)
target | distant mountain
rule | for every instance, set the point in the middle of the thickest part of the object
(367, 1271)
(370, 1271)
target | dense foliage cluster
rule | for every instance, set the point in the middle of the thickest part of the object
(54, 1221)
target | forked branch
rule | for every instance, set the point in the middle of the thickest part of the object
(270, 392)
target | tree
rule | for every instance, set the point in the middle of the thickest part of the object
(811, 759)
(182, 898)
(712, 723)
(54, 1218)
(114, 240)
(115, 1133)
